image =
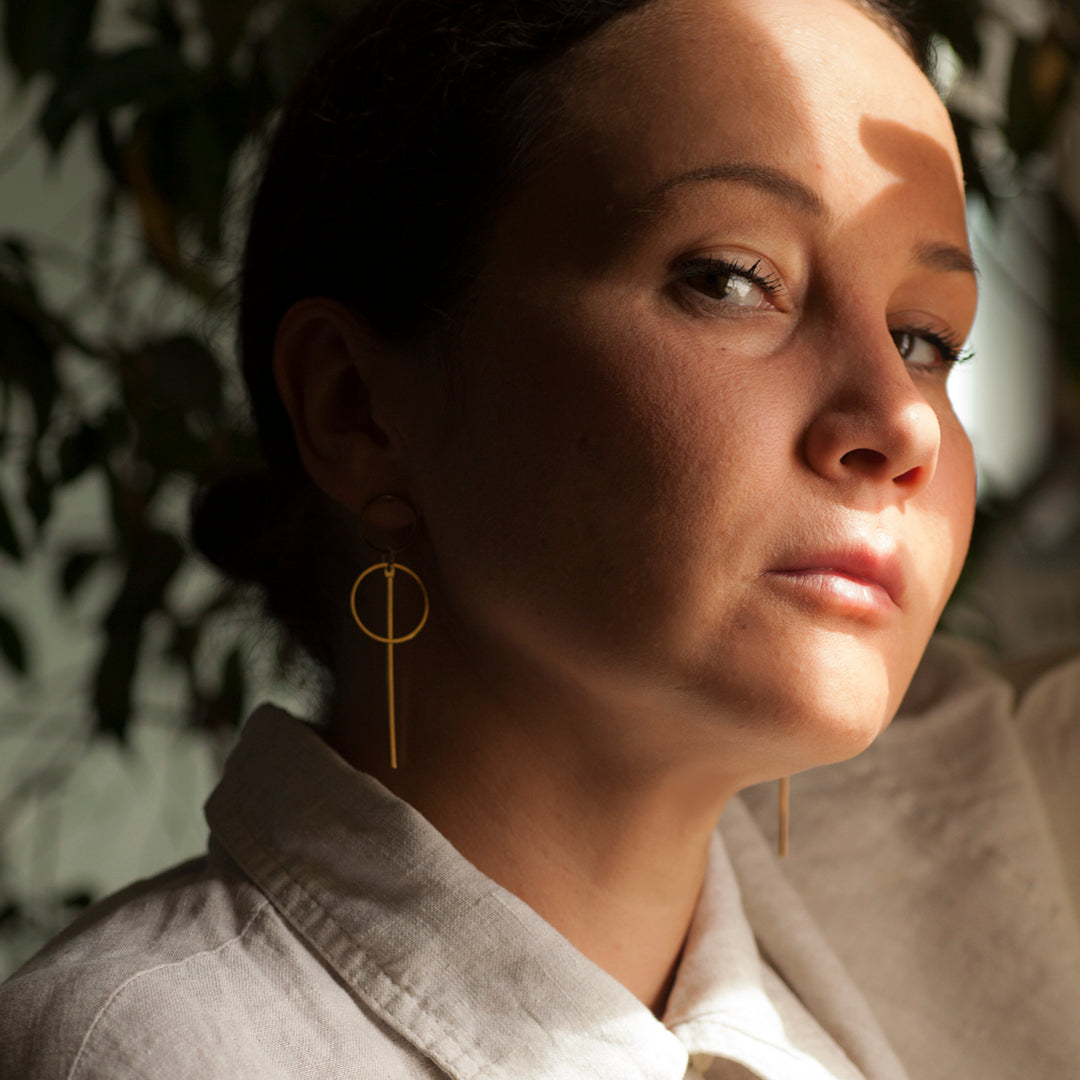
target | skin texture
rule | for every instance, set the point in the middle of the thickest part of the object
(639, 490)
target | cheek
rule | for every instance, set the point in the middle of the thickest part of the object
(956, 469)
(947, 511)
(557, 397)
(606, 412)
(585, 455)
(519, 497)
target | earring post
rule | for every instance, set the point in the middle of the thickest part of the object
(785, 815)
(390, 659)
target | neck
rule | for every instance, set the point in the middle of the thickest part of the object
(609, 847)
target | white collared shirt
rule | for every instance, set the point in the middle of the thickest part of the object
(332, 932)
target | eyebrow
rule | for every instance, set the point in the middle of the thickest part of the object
(945, 258)
(763, 177)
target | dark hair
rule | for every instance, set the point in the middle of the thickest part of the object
(400, 139)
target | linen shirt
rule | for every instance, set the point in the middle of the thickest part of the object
(925, 927)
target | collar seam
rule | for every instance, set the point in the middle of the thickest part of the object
(792, 1053)
(265, 855)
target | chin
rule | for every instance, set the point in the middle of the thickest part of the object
(822, 705)
(852, 702)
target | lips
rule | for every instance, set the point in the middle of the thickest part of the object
(857, 578)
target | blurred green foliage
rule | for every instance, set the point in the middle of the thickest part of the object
(172, 116)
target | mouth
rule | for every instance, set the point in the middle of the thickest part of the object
(858, 581)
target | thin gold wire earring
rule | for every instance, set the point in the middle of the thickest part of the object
(785, 814)
(390, 567)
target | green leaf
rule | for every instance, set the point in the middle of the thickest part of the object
(5, 416)
(206, 141)
(154, 559)
(78, 452)
(1037, 90)
(108, 147)
(63, 109)
(232, 689)
(224, 710)
(124, 512)
(115, 428)
(1066, 287)
(38, 493)
(19, 297)
(170, 446)
(158, 16)
(76, 566)
(974, 177)
(184, 642)
(29, 334)
(47, 35)
(292, 43)
(114, 678)
(1073, 6)
(27, 360)
(191, 146)
(78, 898)
(11, 644)
(147, 76)
(225, 21)
(16, 254)
(9, 538)
(186, 376)
(957, 22)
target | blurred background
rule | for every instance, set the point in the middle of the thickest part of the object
(130, 131)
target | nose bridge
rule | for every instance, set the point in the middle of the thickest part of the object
(874, 423)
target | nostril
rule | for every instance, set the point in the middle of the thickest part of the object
(910, 478)
(863, 458)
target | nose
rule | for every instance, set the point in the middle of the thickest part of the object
(875, 426)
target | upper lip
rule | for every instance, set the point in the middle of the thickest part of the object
(860, 561)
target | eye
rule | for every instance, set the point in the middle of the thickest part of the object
(927, 349)
(729, 283)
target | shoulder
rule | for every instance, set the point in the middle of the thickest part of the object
(145, 975)
(1036, 700)
(1047, 721)
(951, 843)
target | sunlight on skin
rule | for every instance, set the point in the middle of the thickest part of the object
(703, 495)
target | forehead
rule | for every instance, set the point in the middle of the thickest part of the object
(816, 88)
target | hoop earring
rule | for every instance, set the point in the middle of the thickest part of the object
(785, 815)
(390, 568)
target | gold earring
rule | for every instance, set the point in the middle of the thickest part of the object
(390, 567)
(785, 814)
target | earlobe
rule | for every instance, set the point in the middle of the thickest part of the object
(326, 362)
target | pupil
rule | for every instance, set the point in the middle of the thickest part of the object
(735, 288)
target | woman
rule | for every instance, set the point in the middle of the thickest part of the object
(599, 352)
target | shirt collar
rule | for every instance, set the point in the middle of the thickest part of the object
(457, 965)
(727, 1002)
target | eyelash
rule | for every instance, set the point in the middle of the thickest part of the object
(708, 266)
(948, 348)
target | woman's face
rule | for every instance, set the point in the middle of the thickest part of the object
(703, 475)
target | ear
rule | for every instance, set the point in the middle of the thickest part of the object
(327, 364)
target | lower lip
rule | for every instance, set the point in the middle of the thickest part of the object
(836, 591)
